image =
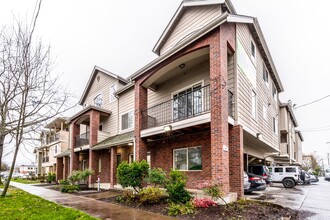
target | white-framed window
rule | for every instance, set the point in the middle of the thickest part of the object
(113, 89)
(84, 165)
(253, 51)
(130, 158)
(264, 112)
(265, 75)
(275, 125)
(274, 92)
(254, 105)
(187, 158)
(149, 158)
(127, 121)
(98, 100)
(187, 102)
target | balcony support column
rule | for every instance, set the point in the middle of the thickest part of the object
(74, 161)
(113, 167)
(59, 169)
(94, 125)
(219, 103)
(66, 167)
(141, 117)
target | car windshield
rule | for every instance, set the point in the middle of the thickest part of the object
(327, 171)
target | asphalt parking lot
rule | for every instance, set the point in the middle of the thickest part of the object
(314, 197)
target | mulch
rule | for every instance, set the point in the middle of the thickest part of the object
(244, 209)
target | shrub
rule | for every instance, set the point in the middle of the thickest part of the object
(132, 175)
(81, 175)
(213, 189)
(64, 182)
(181, 209)
(151, 195)
(175, 187)
(127, 196)
(157, 176)
(69, 188)
(51, 177)
(204, 202)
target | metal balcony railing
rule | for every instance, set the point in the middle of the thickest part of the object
(45, 159)
(82, 139)
(191, 104)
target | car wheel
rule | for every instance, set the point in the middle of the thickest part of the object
(288, 183)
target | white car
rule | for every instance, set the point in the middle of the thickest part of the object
(327, 174)
(289, 176)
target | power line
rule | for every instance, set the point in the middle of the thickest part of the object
(312, 102)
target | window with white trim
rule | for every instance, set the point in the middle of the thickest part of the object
(127, 120)
(254, 104)
(187, 158)
(265, 75)
(98, 100)
(274, 92)
(275, 125)
(253, 51)
(113, 89)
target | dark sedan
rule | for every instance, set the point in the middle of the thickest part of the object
(257, 183)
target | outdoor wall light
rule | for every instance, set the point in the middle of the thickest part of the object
(259, 136)
(168, 128)
(182, 65)
(130, 144)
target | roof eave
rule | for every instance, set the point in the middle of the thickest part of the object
(86, 109)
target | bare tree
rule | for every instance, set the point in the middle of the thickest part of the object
(29, 94)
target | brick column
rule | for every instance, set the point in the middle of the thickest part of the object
(94, 123)
(65, 167)
(113, 166)
(59, 169)
(219, 104)
(93, 165)
(236, 160)
(141, 105)
(74, 161)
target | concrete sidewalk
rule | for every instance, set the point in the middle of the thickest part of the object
(96, 208)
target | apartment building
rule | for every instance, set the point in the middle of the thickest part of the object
(54, 141)
(208, 105)
(27, 169)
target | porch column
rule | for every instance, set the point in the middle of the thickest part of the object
(59, 169)
(113, 167)
(74, 162)
(65, 167)
(236, 160)
(141, 105)
(219, 104)
(93, 139)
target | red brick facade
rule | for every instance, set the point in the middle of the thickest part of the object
(113, 166)
(59, 168)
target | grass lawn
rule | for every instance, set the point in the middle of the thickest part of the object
(25, 181)
(21, 205)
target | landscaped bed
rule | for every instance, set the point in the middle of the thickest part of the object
(21, 205)
(243, 209)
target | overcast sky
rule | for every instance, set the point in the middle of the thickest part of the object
(119, 36)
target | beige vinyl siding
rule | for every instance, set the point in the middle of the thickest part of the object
(189, 78)
(264, 95)
(193, 19)
(283, 119)
(126, 103)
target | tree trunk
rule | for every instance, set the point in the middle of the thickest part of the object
(2, 141)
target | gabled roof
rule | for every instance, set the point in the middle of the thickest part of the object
(182, 8)
(86, 109)
(56, 122)
(289, 109)
(115, 141)
(97, 69)
(300, 135)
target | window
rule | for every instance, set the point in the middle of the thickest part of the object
(55, 149)
(284, 138)
(113, 89)
(84, 165)
(100, 165)
(275, 125)
(118, 159)
(254, 105)
(188, 158)
(290, 169)
(274, 92)
(127, 120)
(98, 101)
(264, 112)
(130, 158)
(278, 170)
(265, 75)
(149, 158)
(253, 51)
(187, 103)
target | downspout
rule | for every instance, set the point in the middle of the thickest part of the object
(134, 148)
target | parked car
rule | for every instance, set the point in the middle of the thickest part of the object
(289, 176)
(314, 178)
(261, 170)
(305, 177)
(247, 183)
(327, 174)
(257, 183)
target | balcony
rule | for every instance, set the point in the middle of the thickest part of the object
(183, 106)
(45, 159)
(82, 139)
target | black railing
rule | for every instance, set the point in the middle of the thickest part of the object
(82, 139)
(53, 138)
(45, 159)
(188, 105)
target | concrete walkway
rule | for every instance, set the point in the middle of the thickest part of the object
(96, 208)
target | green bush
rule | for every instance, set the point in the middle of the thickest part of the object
(64, 182)
(157, 176)
(132, 175)
(51, 177)
(69, 188)
(181, 209)
(80, 175)
(175, 187)
(151, 195)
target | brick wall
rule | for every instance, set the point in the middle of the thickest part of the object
(236, 160)
(162, 155)
(59, 170)
(104, 155)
